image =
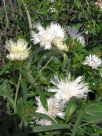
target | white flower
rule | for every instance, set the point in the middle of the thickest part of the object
(81, 40)
(46, 36)
(98, 3)
(60, 44)
(67, 88)
(17, 50)
(52, 1)
(54, 108)
(43, 122)
(52, 10)
(73, 32)
(93, 61)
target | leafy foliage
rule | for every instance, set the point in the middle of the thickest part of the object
(22, 82)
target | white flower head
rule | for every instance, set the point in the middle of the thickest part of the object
(54, 108)
(98, 3)
(52, 1)
(73, 32)
(43, 122)
(93, 61)
(17, 50)
(67, 88)
(52, 10)
(46, 36)
(60, 44)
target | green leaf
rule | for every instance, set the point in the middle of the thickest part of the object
(65, 61)
(6, 92)
(50, 127)
(78, 120)
(24, 88)
(25, 110)
(93, 113)
(19, 2)
(42, 78)
(43, 99)
(78, 4)
(70, 109)
(44, 116)
(28, 76)
(6, 68)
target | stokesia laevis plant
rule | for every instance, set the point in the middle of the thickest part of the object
(73, 33)
(93, 61)
(55, 109)
(25, 81)
(17, 50)
(66, 88)
(52, 34)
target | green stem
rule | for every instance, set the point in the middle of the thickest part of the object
(16, 94)
(46, 64)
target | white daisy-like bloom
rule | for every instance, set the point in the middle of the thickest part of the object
(52, 10)
(43, 122)
(93, 61)
(55, 108)
(73, 32)
(46, 36)
(67, 88)
(98, 3)
(17, 50)
(52, 1)
(60, 44)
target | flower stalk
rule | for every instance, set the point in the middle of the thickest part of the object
(16, 94)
